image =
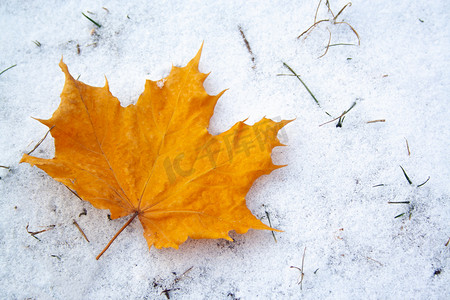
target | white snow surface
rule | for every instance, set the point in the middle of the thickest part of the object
(324, 200)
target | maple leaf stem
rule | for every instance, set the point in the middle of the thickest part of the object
(117, 234)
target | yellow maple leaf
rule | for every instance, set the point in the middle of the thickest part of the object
(156, 160)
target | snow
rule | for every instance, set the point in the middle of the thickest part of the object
(324, 200)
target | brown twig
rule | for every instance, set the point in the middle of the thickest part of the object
(376, 121)
(33, 233)
(317, 10)
(446, 244)
(247, 45)
(342, 9)
(40, 142)
(374, 261)
(407, 147)
(117, 234)
(311, 27)
(81, 230)
(353, 29)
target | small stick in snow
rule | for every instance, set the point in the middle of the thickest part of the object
(406, 175)
(374, 261)
(375, 121)
(300, 282)
(340, 117)
(166, 291)
(7, 69)
(399, 202)
(341, 120)
(298, 77)
(5, 167)
(98, 25)
(410, 210)
(247, 45)
(342, 44)
(328, 45)
(446, 244)
(81, 230)
(270, 224)
(381, 184)
(34, 233)
(409, 180)
(182, 275)
(424, 182)
(40, 142)
(73, 192)
(407, 147)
